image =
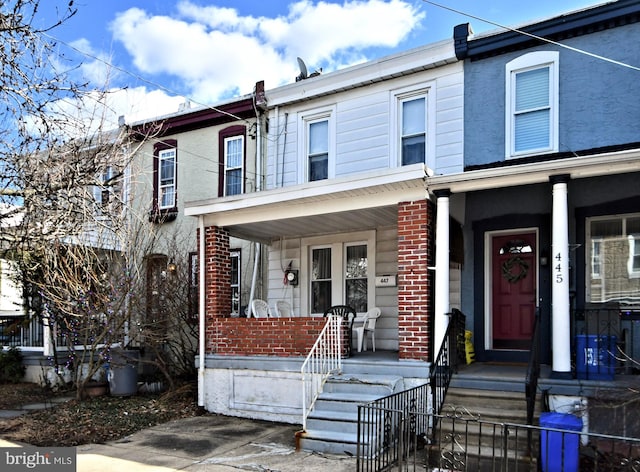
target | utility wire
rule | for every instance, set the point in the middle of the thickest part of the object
(540, 38)
(140, 78)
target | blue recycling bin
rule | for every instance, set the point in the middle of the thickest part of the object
(560, 449)
(595, 357)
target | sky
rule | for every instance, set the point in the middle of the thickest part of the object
(158, 54)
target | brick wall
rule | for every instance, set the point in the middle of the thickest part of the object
(217, 281)
(416, 222)
(284, 337)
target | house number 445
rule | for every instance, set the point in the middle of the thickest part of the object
(558, 269)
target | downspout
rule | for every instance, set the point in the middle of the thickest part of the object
(201, 310)
(259, 174)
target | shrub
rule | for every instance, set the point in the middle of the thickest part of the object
(11, 368)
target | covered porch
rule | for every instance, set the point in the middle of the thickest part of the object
(364, 241)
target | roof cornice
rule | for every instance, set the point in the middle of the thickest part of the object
(577, 23)
(408, 62)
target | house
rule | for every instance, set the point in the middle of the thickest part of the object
(187, 156)
(345, 208)
(548, 198)
(549, 204)
(168, 161)
(495, 174)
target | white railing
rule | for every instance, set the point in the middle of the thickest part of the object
(323, 360)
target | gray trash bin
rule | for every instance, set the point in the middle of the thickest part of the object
(123, 372)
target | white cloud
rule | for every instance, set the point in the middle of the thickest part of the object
(218, 53)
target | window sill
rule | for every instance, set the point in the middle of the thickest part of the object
(163, 216)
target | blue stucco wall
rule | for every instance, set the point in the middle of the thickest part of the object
(599, 101)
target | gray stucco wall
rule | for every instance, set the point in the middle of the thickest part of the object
(598, 100)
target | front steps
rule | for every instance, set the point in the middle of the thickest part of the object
(479, 442)
(332, 425)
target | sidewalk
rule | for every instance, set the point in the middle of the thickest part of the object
(208, 443)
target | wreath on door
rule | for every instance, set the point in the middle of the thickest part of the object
(515, 269)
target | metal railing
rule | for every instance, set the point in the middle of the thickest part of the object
(387, 424)
(533, 370)
(462, 442)
(384, 427)
(21, 331)
(324, 359)
(446, 362)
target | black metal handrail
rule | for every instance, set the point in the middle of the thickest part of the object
(446, 362)
(533, 369)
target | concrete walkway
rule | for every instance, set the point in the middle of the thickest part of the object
(208, 443)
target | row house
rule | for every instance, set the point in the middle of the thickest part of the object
(345, 211)
(495, 174)
(188, 156)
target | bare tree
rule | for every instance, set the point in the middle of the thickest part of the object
(65, 177)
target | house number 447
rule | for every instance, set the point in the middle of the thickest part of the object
(558, 269)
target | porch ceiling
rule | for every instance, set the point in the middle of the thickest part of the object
(340, 205)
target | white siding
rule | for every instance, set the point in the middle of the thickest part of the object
(364, 128)
(386, 259)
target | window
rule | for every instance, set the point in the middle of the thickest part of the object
(318, 151)
(320, 280)
(339, 272)
(413, 130)
(317, 144)
(356, 277)
(232, 141)
(194, 284)
(167, 178)
(235, 282)
(165, 184)
(613, 244)
(233, 159)
(532, 104)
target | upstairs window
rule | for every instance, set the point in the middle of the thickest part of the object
(167, 178)
(165, 182)
(532, 104)
(233, 159)
(232, 152)
(413, 130)
(318, 150)
(317, 131)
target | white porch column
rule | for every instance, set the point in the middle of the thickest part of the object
(560, 309)
(441, 304)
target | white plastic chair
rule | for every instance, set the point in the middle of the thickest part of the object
(260, 308)
(368, 326)
(283, 309)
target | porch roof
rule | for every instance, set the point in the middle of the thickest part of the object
(363, 201)
(592, 165)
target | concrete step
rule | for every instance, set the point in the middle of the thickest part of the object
(332, 425)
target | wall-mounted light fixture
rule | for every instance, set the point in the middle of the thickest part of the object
(172, 267)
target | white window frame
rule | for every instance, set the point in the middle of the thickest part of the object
(228, 168)
(237, 284)
(162, 155)
(397, 98)
(634, 245)
(307, 118)
(524, 63)
(338, 244)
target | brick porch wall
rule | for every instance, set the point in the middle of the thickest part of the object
(416, 221)
(217, 281)
(282, 337)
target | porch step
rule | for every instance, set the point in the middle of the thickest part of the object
(483, 405)
(332, 425)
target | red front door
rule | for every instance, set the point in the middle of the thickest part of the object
(513, 289)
